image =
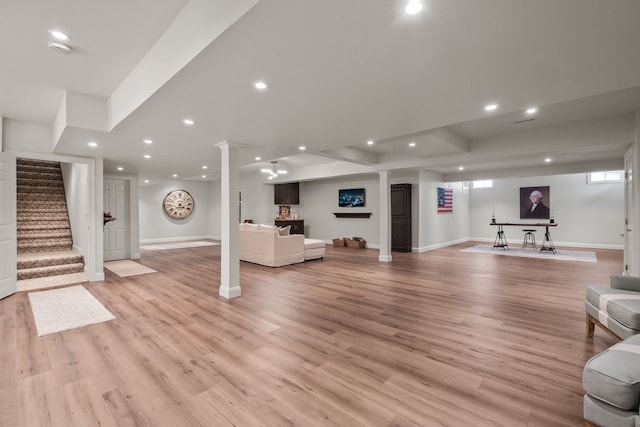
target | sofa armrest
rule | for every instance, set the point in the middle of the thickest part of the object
(628, 283)
(289, 244)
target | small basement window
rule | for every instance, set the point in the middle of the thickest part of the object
(485, 183)
(605, 177)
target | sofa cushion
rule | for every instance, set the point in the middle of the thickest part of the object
(284, 231)
(601, 414)
(265, 227)
(613, 376)
(624, 306)
(251, 226)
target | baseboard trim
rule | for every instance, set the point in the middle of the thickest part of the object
(177, 239)
(439, 245)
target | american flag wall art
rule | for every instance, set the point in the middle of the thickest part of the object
(445, 200)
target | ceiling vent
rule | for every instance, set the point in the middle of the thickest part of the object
(60, 48)
(523, 121)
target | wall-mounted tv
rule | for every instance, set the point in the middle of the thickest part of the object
(353, 197)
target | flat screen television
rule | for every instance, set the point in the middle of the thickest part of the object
(353, 197)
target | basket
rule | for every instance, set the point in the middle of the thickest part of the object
(339, 243)
(358, 244)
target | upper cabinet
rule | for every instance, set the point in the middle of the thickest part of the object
(286, 194)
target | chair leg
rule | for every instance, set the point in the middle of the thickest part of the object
(590, 326)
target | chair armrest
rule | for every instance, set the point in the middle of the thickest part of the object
(628, 283)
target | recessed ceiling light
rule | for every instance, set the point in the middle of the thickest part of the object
(188, 122)
(260, 85)
(460, 168)
(148, 141)
(59, 35)
(302, 148)
(146, 181)
(532, 111)
(147, 156)
(413, 7)
(204, 176)
(258, 158)
(412, 144)
(92, 144)
(491, 107)
(548, 160)
(175, 175)
(58, 47)
(205, 167)
(370, 142)
(120, 168)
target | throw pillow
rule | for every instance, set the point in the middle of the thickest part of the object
(284, 231)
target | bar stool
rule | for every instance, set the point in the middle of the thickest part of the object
(529, 238)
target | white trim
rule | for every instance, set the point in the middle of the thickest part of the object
(440, 245)
(177, 239)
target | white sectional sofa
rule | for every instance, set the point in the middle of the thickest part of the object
(264, 244)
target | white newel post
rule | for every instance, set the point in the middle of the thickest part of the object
(385, 217)
(229, 256)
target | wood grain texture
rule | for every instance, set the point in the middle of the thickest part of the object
(441, 338)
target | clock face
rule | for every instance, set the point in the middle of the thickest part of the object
(178, 204)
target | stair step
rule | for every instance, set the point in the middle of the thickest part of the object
(33, 235)
(49, 174)
(46, 259)
(41, 197)
(39, 189)
(23, 161)
(40, 218)
(44, 246)
(42, 225)
(38, 180)
(53, 270)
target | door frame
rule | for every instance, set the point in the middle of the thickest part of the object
(9, 284)
(93, 257)
(630, 264)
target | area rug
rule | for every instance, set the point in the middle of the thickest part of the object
(177, 245)
(62, 309)
(560, 255)
(126, 268)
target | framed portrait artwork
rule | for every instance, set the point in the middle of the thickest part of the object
(535, 202)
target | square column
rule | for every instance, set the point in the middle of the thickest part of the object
(230, 234)
(385, 217)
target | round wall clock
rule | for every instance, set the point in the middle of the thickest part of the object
(178, 204)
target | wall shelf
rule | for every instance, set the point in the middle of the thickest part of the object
(352, 214)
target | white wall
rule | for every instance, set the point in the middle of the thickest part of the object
(439, 230)
(319, 200)
(155, 225)
(588, 215)
(75, 177)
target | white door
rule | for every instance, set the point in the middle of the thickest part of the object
(116, 233)
(629, 267)
(8, 245)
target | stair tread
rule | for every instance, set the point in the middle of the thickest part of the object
(52, 254)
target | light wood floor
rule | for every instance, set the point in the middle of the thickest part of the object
(438, 338)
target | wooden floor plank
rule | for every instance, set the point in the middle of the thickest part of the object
(441, 338)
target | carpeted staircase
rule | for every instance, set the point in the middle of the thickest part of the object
(44, 234)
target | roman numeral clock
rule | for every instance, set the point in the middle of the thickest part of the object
(178, 204)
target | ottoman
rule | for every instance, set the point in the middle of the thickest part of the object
(313, 249)
(611, 381)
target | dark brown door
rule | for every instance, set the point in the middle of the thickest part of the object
(401, 217)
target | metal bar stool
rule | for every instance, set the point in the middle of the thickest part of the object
(529, 239)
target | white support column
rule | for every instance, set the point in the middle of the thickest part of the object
(385, 217)
(229, 256)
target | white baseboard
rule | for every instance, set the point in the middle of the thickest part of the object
(439, 245)
(177, 239)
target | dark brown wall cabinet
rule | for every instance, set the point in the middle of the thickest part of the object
(286, 194)
(401, 217)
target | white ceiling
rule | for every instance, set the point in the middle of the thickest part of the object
(339, 73)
